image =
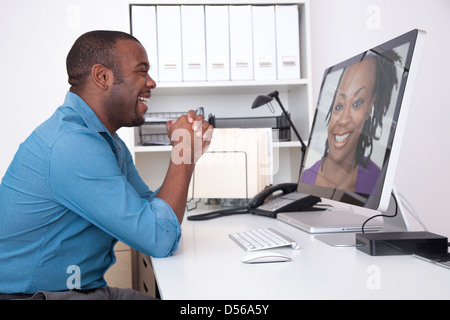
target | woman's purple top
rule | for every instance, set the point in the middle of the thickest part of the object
(366, 181)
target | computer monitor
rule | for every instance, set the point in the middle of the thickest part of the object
(358, 126)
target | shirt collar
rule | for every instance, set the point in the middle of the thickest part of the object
(76, 103)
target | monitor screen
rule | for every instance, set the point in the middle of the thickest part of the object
(358, 125)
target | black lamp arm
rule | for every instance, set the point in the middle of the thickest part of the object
(275, 96)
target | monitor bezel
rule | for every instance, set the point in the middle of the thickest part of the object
(379, 200)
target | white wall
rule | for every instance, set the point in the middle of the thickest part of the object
(343, 28)
(35, 37)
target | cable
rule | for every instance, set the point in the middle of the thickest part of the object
(218, 214)
(382, 215)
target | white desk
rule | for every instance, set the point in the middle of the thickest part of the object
(207, 266)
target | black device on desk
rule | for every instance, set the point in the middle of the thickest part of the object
(268, 203)
(289, 200)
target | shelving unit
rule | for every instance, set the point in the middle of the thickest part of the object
(231, 99)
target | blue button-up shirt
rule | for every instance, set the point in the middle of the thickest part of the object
(69, 194)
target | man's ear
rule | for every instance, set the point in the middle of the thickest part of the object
(102, 76)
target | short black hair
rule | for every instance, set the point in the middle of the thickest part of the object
(94, 47)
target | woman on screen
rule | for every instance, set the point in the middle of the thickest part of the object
(355, 116)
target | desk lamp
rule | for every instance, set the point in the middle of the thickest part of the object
(264, 99)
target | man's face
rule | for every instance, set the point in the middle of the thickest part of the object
(128, 98)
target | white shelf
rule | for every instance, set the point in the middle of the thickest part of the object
(282, 144)
(223, 87)
(140, 148)
(287, 144)
(227, 99)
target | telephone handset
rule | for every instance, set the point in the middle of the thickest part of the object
(269, 204)
(259, 199)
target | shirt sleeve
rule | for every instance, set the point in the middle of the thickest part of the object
(85, 178)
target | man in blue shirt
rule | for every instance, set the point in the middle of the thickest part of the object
(72, 190)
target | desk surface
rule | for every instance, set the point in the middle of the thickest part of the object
(207, 266)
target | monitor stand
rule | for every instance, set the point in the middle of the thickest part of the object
(338, 239)
(392, 222)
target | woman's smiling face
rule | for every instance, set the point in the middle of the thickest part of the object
(352, 107)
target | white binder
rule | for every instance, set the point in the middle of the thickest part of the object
(217, 43)
(193, 43)
(264, 42)
(143, 27)
(288, 41)
(169, 43)
(241, 44)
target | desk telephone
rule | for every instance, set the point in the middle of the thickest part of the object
(268, 203)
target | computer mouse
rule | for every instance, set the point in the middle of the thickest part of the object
(264, 256)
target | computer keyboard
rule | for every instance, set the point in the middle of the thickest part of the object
(259, 239)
